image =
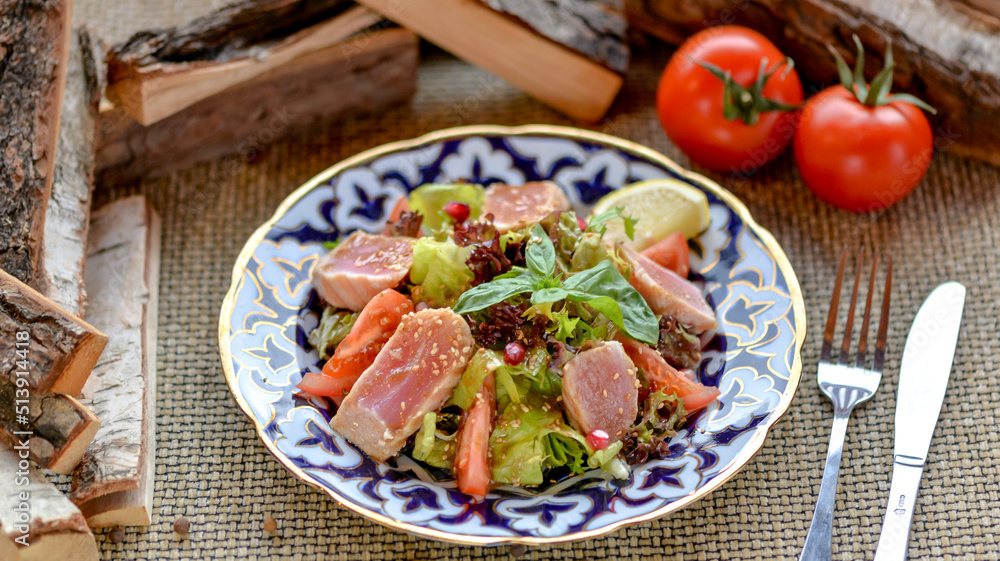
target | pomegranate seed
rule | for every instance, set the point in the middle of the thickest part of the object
(513, 353)
(582, 223)
(598, 439)
(459, 212)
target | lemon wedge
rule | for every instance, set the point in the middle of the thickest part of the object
(661, 206)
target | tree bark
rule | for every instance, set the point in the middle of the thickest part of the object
(114, 483)
(56, 529)
(68, 214)
(368, 72)
(53, 350)
(945, 54)
(56, 427)
(34, 44)
(594, 28)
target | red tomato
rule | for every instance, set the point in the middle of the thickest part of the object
(690, 99)
(473, 468)
(662, 376)
(375, 325)
(861, 158)
(671, 252)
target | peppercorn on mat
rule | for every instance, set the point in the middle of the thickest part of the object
(211, 469)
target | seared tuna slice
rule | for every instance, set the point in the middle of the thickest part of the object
(667, 293)
(415, 373)
(360, 267)
(517, 207)
(600, 390)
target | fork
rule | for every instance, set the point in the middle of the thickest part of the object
(847, 385)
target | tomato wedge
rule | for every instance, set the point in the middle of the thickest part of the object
(473, 466)
(662, 376)
(376, 323)
(671, 252)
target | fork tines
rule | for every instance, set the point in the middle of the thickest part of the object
(831, 322)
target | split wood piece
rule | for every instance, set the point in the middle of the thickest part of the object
(366, 73)
(946, 54)
(30, 505)
(55, 428)
(42, 343)
(152, 88)
(113, 486)
(549, 71)
(68, 213)
(34, 45)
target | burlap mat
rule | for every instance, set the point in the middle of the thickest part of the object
(212, 469)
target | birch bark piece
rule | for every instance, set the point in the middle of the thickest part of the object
(62, 349)
(114, 484)
(367, 72)
(945, 53)
(68, 213)
(34, 44)
(56, 427)
(29, 504)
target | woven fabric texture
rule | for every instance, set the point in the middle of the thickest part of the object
(211, 468)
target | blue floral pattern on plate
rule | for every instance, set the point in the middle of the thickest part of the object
(753, 357)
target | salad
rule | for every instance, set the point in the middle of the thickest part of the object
(494, 334)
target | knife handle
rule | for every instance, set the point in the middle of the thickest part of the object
(895, 537)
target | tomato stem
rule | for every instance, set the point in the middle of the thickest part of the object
(876, 93)
(747, 103)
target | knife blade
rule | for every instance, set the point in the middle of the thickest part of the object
(923, 380)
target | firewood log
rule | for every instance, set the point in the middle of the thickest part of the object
(38, 522)
(151, 81)
(68, 212)
(34, 44)
(43, 344)
(375, 69)
(55, 428)
(531, 46)
(114, 484)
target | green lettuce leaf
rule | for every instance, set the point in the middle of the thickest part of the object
(439, 272)
(432, 446)
(532, 436)
(518, 443)
(588, 253)
(481, 364)
(429, 200)
(333, 326)
(609, 461)
(565, 235)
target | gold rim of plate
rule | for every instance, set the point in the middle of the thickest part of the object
(751, 448)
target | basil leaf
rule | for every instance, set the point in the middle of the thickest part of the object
(541, 254)
(548, 295)
(614, 297)
(487, 294)
(609, 308)
(597, 223)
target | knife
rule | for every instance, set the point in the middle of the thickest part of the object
(923, 379)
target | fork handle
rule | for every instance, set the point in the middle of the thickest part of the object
(895, 536)
(820, 536)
